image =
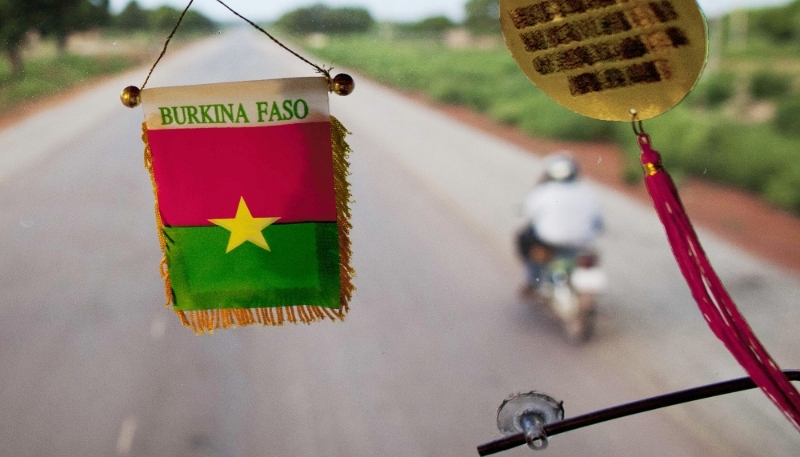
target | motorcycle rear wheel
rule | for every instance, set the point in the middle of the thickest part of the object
(581, 329)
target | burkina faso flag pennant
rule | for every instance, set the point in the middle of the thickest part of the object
(252, 202)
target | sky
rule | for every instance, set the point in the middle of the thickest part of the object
(394, 10)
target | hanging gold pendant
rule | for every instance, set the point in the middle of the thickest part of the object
(603, 58)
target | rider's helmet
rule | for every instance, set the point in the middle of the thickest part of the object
(561, 166)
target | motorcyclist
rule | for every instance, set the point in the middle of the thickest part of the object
(564, 216)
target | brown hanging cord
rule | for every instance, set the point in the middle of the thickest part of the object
(341, 84)
(164, 51)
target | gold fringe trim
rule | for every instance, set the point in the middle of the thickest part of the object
(207, 321)
(341, 171)
(162, 240)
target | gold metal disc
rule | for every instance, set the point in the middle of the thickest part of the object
(604, 58)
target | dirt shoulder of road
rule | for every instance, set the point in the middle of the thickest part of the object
(735, 216)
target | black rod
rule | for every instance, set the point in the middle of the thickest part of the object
(628, 409)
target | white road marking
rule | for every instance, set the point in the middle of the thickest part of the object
(126, 433)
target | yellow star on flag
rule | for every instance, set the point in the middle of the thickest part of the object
(245, 227)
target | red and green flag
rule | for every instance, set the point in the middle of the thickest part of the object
(251, 201)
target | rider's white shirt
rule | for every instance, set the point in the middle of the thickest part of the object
(564, 213)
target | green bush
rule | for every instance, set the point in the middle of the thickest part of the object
(787, 116)
(455, 94)
(714, 90)
(779, 24)
(430, 25)
(784, 188)
(766, 84)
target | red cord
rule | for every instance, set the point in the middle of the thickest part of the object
(715, 303)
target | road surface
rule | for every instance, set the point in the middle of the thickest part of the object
(93, 364)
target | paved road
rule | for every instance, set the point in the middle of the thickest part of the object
(93, 364)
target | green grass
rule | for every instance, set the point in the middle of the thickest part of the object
(52, 74)
(695, 138)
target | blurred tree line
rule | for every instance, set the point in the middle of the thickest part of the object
(323, 19)
(161, 19)
(481, 17)
(60, 18)
(778, 24)
(57, 18)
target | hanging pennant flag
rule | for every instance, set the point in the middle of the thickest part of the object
(251, 201)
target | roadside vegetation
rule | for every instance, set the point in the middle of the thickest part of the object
(51, 45)
(52, 74)
(740, 126)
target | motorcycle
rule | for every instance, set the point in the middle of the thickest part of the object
(569, 286)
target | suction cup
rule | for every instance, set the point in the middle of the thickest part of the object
(528, 413)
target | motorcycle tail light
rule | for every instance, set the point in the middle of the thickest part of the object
(586, 260)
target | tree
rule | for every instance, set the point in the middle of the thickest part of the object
(59, 18)
(482, 16)
(56, 18)
(16, 18)
(99, 15)
(133, 17)
(779, 24)
(196, 22)
(164, 18)
(320, 18)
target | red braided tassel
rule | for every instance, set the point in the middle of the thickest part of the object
(716, 305)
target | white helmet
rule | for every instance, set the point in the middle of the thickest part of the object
(561, 167)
